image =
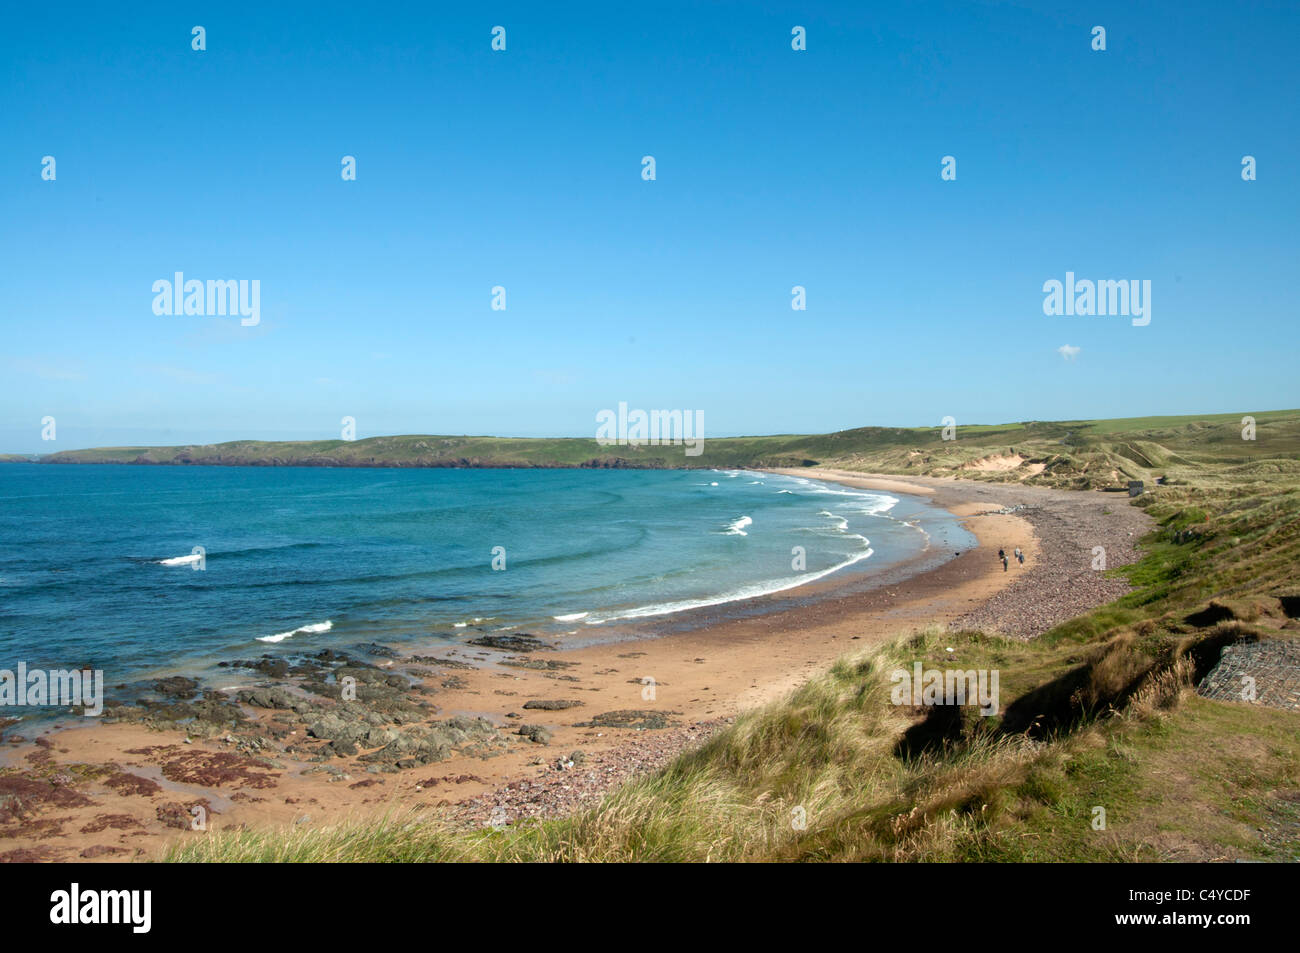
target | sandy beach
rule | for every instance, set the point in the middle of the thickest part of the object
(590, 716)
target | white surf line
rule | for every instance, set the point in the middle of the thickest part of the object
(311, 629)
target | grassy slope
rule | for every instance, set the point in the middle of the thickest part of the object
(1097, 712)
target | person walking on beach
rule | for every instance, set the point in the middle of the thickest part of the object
(1005, 561)
(1020, 556)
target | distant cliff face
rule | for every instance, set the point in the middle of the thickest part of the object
(459, 453)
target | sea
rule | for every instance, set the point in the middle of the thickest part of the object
(143, 571)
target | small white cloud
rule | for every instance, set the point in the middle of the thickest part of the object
(1069, 351)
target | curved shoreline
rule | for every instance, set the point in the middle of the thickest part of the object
(853, 578)
(702, 677)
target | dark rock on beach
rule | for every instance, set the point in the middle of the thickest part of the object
(424, 744)
(538, 664)
(440, 662)
(543, 704)
(379, 650)
(269, 698)
(212, 713)
(640, 719)
(177, 685)
(537, 734)
(519, 642)
(268, 665)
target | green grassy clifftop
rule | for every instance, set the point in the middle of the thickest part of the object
(1076, 454)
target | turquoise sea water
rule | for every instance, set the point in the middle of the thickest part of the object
(98, 563)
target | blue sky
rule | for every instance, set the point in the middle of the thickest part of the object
(522, 168)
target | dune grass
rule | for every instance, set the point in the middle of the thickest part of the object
(875, 781)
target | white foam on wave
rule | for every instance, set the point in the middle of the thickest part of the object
(747, 592)
(312, 629)
(572, 617)
(737, 527)
(854, 501)
(841, 524)
(864, 502)
(180, 560)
